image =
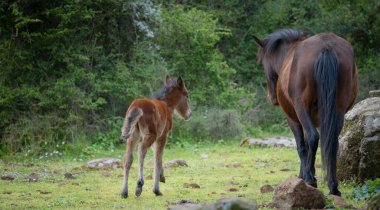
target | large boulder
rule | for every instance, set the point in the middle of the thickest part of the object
(359, 145)
(294, 193)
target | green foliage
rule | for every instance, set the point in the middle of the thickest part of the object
(366, 191)
(68, 68)
(187, 42)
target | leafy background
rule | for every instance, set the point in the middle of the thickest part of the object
(69, 69)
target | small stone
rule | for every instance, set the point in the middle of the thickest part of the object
(294, 193)
(204, 156)
(8, 177)
(33, 177)
(232, 189)
(106, 174)
(176, 163)
(266, 188)
(340, 202)
(68, 175)
(234, 165)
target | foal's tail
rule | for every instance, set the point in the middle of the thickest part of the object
(130, 121)
(326, 76)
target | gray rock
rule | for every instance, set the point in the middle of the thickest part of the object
(374, 202)
(266, 189)
(231, 204)
(103, 163)
(280, 141)
(33, 177)
(176, 163)
(359, 145)
(222, 204)
(374, 93)
(294, 193)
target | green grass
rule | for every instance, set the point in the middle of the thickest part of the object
(90, 189)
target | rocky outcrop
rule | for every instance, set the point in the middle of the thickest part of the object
(359, 145)
(294, 193)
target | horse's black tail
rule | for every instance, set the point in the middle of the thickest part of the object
(130, 121)
(326, 76)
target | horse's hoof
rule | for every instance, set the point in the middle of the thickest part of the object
(157, 192)
(124, 195)
(138, 192)
(335, 192)
(312, 183)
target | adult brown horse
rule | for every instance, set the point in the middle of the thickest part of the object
(150, 120)
(314, 80)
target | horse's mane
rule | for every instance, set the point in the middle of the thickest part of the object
(275, 39)
(164, 90)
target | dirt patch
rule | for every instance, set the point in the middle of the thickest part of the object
(191, 185)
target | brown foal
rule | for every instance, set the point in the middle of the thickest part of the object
(148, 122)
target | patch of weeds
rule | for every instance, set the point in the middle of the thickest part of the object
(366, 191)
(61, 202)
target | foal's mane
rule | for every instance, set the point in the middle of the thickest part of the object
(164, 90)
(274, 40)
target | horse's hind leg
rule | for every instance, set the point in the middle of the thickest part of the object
(158, 168)
(311, 138)
(128, 159)
(301, 148)
(143, 147)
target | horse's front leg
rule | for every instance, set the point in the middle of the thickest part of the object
(301, 148)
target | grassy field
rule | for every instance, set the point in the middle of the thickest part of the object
(227, 166)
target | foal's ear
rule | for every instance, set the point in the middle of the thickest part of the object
(258, 41)
(180, 82)
(168, 81)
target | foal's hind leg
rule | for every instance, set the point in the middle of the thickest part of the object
(311, 137)
(143, 147)
(158, 168)
(301, 148)
(128, 159)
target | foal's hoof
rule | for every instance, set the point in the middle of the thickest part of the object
(124, 195)
(158, 193)
(138, 192)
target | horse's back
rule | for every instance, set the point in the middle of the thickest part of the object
(297, 85)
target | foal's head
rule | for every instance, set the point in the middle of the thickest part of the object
(175, 94)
